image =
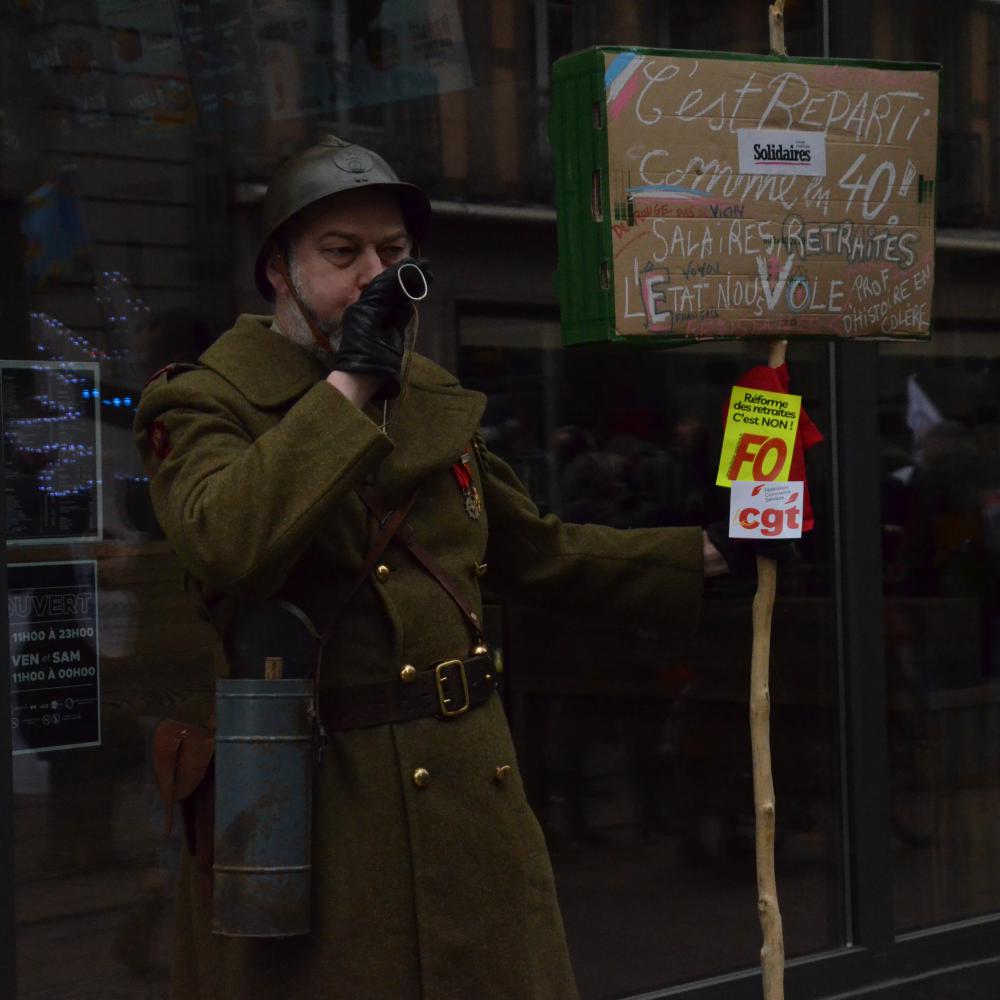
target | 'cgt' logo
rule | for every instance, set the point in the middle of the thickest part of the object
(770, 520)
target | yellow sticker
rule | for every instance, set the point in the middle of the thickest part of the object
(760, 433)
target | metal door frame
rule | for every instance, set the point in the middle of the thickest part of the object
(8, 949)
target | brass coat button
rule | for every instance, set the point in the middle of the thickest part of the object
(501, 773)
(382, 572)
(408, 674)
(421, 777)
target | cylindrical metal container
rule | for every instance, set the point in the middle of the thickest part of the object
(263, 807)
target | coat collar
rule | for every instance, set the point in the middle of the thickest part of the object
(265, 367)
(436, 418)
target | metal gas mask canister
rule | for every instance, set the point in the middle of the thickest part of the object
(265, 752)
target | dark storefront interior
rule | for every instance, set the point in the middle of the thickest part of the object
(136, 139)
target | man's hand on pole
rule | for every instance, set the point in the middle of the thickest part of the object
(739, 554)
(713, 561)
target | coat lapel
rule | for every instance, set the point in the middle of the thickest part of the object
(433, 426)
(265, 367)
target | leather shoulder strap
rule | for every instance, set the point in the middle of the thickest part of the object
(404, 536)
(390, 522)
(389, 525)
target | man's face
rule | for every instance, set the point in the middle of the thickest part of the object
(341, 244)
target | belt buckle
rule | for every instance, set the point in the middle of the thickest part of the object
(439, 681)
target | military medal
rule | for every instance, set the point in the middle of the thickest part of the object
(462, 471)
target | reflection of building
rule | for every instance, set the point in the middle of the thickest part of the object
(173, 115)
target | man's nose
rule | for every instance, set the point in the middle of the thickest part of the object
(370, 266)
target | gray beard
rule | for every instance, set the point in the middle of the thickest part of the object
(298, 331)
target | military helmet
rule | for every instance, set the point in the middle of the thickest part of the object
(329, 167)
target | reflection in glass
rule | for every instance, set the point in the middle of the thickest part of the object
(941, 542)
(635, 745)
(963, 36)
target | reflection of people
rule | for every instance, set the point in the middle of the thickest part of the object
(936, 545)
(430, 874)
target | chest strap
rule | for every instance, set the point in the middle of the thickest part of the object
(398, 701)
(404, 536)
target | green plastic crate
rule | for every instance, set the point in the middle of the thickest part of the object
(599, 204)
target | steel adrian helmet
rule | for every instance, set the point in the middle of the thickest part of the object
(329, 167)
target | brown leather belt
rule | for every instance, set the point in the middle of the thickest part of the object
(447, 689)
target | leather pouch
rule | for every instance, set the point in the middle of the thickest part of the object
(183, 761)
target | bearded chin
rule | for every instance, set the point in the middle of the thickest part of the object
(299, 332)
(329, 329)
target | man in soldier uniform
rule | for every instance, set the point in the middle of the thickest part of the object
(279, 466)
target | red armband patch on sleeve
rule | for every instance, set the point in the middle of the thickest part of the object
(159, 439)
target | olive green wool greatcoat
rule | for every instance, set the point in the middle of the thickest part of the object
(443, 892)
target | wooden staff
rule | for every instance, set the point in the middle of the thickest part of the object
(776, 24)
(772, 953)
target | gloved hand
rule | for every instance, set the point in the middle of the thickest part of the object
(740, 553)
(373, 329)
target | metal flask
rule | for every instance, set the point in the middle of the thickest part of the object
(264, 758)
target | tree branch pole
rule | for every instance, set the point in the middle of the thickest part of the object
(776, 24)
(772, 952)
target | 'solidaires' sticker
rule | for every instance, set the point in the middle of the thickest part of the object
(782, 151)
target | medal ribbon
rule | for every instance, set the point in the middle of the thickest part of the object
(462, 475)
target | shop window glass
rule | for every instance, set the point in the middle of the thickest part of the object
(636, 745)
(941, 545)
(97, 192)
(133, 137)
(965, 38)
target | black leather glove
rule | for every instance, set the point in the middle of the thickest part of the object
(373, 330)
(740, 553)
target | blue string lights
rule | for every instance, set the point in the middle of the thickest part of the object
(43, 433)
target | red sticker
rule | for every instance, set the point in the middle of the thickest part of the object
(159, 439)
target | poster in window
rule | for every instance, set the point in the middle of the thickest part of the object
(314, 61)
(409, 50)
(153, 87)
(53, 655)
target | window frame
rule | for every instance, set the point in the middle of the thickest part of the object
(8, 916)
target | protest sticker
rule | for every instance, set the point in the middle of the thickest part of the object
(772, 151)
(766, 510)
(759, 437)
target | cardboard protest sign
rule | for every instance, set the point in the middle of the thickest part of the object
(705, 195)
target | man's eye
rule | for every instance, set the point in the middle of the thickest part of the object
(395, 251)
(339, 253)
